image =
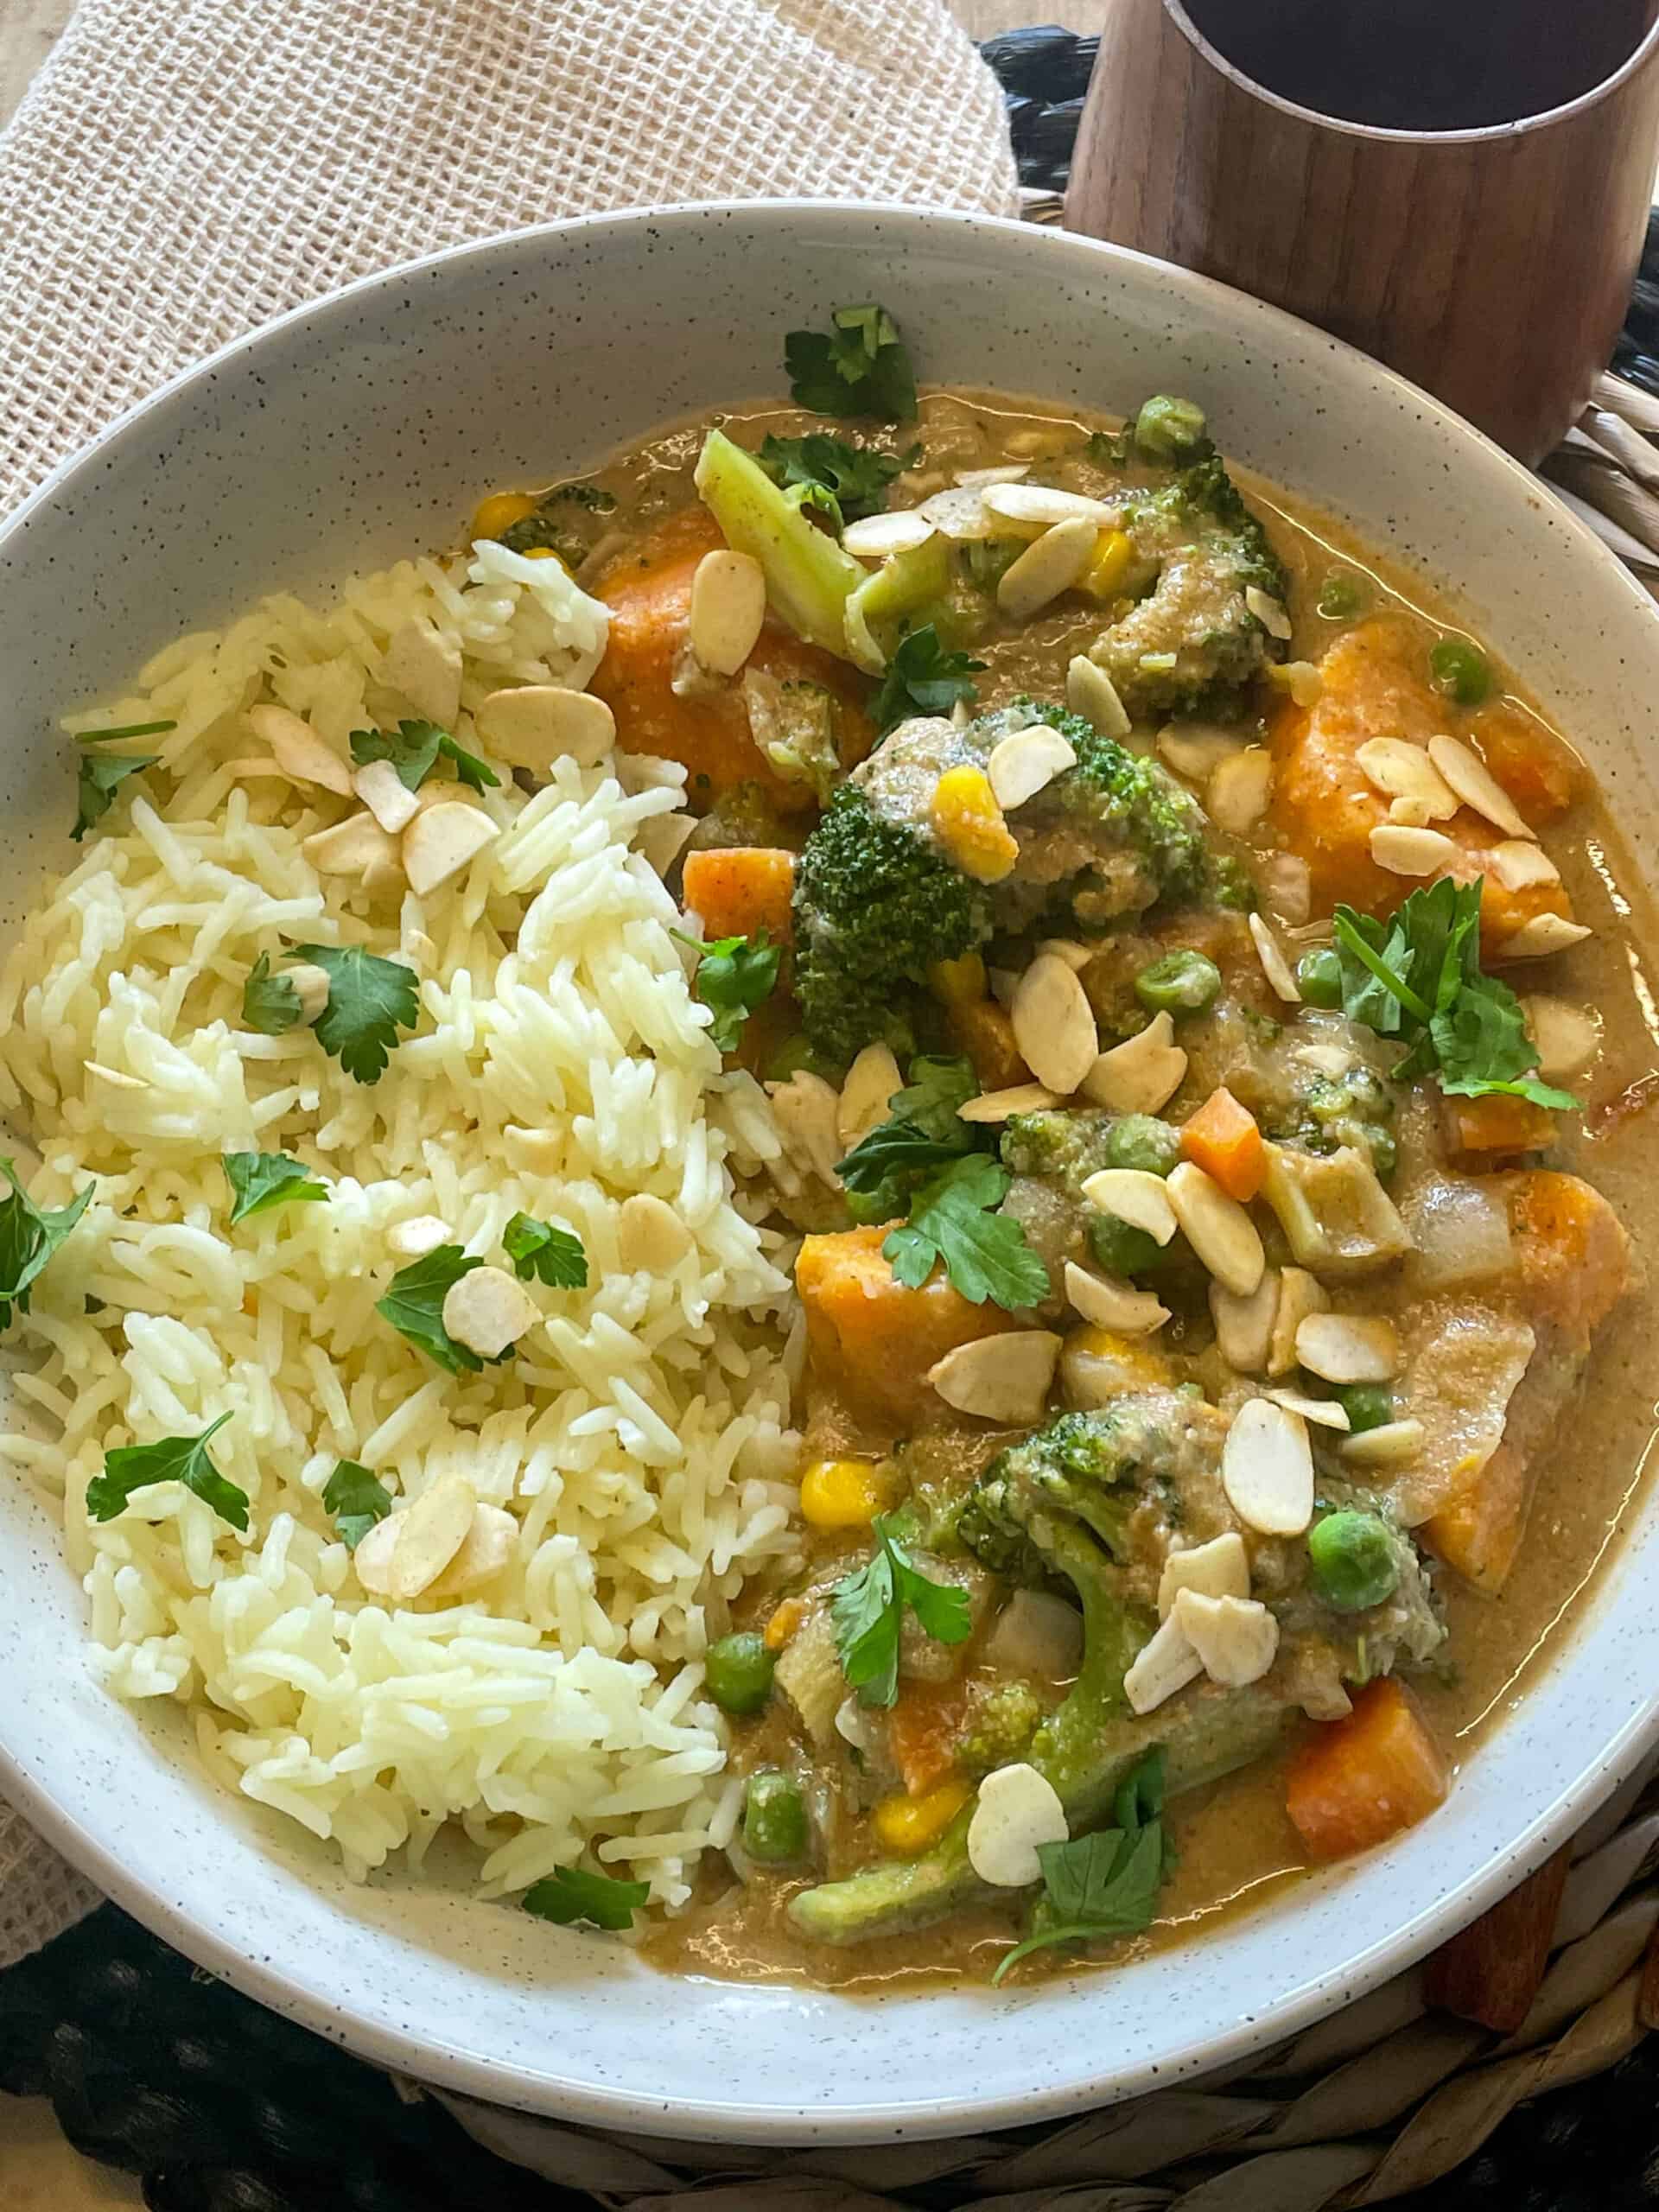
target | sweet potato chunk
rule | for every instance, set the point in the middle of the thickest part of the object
(1572, 1250)
(737, 889)
(1363, 1778)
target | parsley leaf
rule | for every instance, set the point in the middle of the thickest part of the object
(735, 976)
(984, 1253)
(369, 1000)
(356, 1499)
(102, 775)
(922, 678)
(552, 1256)
(924, 1133)
(414, 1306)
(940, 1085)
(859, 367)
(270, 1003)
(895, 1149)
(173, 1459)
(127, 729)
(259, 1180)
(28, 1237)
(855, 477)
(571, 1893)
(1106, 1884)
(414, 751)
(868, 1612)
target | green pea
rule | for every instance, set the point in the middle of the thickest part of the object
(1341, 597)
(1142, 1141)
(738, 1671)
(1181, 982)
(1353, 1559)
(1461, 670)
(1122, 1249)
(1171, 429)
(1368, 1405)
(774, 1819)
(1319, 977)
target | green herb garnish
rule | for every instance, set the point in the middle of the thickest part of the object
(270, 1003)
(922, 677)
(415, 749)
(414, 1306)
(1106, 1884)
(369, 1000)
(571, 1893)
(551, 1255)
(102, 775)
(855, 478)
(735, 976)
(29, 1235)
(126, 729)
(867, 1610)
(356, 1499)
(184, 1459)
(953, 1221)
(859, 367)
(259, 1180)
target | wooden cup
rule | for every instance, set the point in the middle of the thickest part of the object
(1492, 262)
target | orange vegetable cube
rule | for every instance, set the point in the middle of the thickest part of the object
(1223, 1139)
(1367, 1777)
(741, 889)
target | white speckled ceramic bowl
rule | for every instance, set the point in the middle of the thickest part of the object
(341, 437)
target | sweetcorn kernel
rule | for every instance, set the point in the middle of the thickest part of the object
(908, 1825)
(968, 823)
(499, 512)
(1104, 577)
(958, 982)
(845, 1493)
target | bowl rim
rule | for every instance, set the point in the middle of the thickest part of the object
(512, 2083)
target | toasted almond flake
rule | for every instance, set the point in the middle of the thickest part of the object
(1476, 785)
(1568, 1036)
(1274, 966)
(870, 1083)
(1406, 851)
(1300, 1294)
(311, 984)
(1025, 763)
(1038, 445)
(388, 798)
(993, 1106)
(960, 514)
(1300, 679)
(1092, 693)
(415, 1238)
(1239, 789)
(1165, 1664)
(1345, 1348)
(806, 1109)
(357, 845)
(442, 790)
(1395, 1444)
(1077, 956)
(1413, 813)
(1323, 1413)
(532, 724)
(1268, 611)
(662, 838)
(1005, 473)
(1054, 1025)
(1003, 1379)
(1109, 1302)
(1236, 1638)
(426, 668)
(533, 1152)
(1018, 1809)
(429, 1534)
(1267, 1469)
(301, 755)
(1220, 1568)
(440, 841)
(372, 1560)
(1244, 1325)
(1037, 504)
(1140, 1075)
(1288, 886)
(651, 1237)
(1327, 1059)
(1217, 1228)
(1196, 750)
(1543, 935)
(488, 1310)
(1133, 1195)
(1517, 863)
(1050, 565)
(1400, 770)
(874, 537)
(119, 1077)
(485, 1550)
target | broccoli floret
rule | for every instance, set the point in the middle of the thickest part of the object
(1003, 1718)
(1110, 783)
(1192, 643)
(874, 906)
(1067, 1146)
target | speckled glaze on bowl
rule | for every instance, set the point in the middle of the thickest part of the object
(338, 438)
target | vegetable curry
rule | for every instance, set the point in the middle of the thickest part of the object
(1203, 1023)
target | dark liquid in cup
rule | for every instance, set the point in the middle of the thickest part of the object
(1425, 64)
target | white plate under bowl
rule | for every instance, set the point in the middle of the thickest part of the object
(347, 433)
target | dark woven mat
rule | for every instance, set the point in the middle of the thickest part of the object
(219, 2106)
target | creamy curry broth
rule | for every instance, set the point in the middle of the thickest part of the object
(1233, 1841)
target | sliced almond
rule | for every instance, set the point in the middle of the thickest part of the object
(1300, 1294)
(1405, 851)
(426, 668)
(1004, 473)
(1476, 785)
(312, 984)
(1217, 1228)
(1220, 1568)
(1027, 762)
(1110, 1303)
(388, 798)
(301, 755)
(1299, 679)
(1413, 813)
(871, 1081)
(1274, 966)
(1165, 1664)
(532, 724)
(1239, 790)
(1517, 864)
(1236, 1638)
(1270, 611)
(1038, 445)
(487, 1310)
(485, 1550)
(1037, 504)
(1017, 1810)
(429, 1534)
(1543, 935)
(1393, 1444)
(1196, 750)
(371, 1559)
(1077, 956)
(1267, 1469)
(1568, 1036)
(1003, 1379)
(413, 1239)
(805, 1111)
(1244, 1325)
(533, 1152)
(993, 1106)
(1140, 1075)
(1400, 770)
(1131, 1194)
(1051, 564)
(1054, 1025)
(357, 845)
(662, 838)
(959, 514)
(1288, 884)
(729, 608)
(1092, 693)
(1344, 1348)
(874, 537)
(440, 842)
(1323, 1413)
(651, 1237)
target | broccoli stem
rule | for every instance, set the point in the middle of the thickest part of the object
(809, 578)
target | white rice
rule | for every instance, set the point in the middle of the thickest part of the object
(640, 1436)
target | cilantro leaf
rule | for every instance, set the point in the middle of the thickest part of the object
(922, 678)
(173, 1459)
(127, 729)
(571, 1893)
(940, 1084)
(270, 1003)
(29, 1235)
(1106, 1884)
(414, 750)
(414, 1306)
(896, 1147)
(369, 1000)
(952, 1221)
(102, 775)
(552, 1256)
(735, 976)
(868, 1612)
(855, 478)
(356, 1500)
(859, 368)
(259, 1180)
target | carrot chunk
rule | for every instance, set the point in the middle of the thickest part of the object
(739, 889)
(1366, 1777)
(1497, 1124)
(1222, 1139)
(923, 1729)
